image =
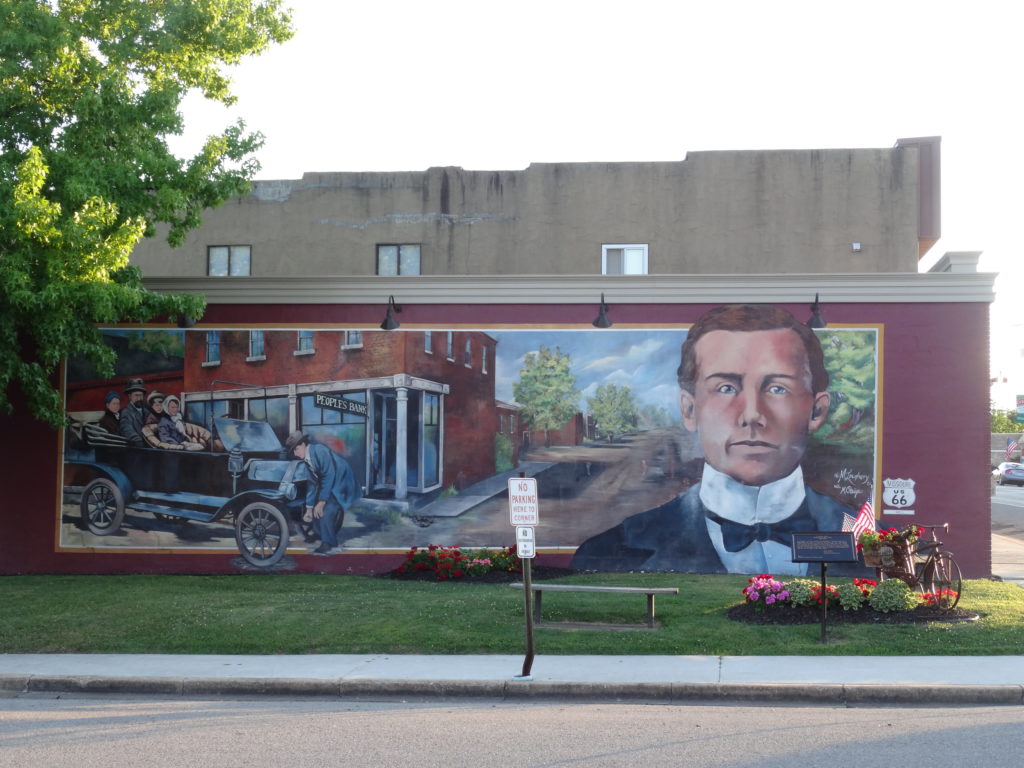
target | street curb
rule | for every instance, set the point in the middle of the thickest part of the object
(516, 690)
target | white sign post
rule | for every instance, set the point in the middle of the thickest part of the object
(526, 544)
(523, 508)
(524, 514)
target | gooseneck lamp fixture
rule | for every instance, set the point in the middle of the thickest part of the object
(390, 323)
(816, 320)
(602, 320)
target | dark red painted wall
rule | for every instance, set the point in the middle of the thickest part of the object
(934, 426)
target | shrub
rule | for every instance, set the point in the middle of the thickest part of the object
(851, 597)
(803, 591)
(503, 451)
(892, 595)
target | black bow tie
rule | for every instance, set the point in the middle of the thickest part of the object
(738, 536)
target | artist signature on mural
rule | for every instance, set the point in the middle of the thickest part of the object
(849, 482)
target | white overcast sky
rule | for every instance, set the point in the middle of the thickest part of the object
(407, 84)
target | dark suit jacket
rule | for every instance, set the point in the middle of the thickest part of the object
(674, 537)
(332, 478)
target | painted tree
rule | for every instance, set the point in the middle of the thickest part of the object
(654, 416)
(614, 410)
(546, 390)
(89, 93)
(850, 362)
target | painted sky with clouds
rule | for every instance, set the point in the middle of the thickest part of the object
(644, 360)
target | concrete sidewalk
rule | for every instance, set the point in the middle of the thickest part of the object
(837, 680)
(834, 680)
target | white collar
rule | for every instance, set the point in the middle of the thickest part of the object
(749, 504)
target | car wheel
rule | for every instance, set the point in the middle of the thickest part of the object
(102, 507)
(261, 532)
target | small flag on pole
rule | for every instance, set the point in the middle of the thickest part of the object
(1011, 446)
(865, 519)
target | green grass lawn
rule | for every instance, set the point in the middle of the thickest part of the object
(269, 614)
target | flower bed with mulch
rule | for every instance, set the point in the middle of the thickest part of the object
(806, 614)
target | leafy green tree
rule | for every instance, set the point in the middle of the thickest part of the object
(1004, 421)
(614, 410)
(89, 93)
(546, 390)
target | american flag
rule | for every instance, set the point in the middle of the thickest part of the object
(865, 519)
(1011, 446)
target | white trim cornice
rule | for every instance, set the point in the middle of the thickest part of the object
(888, 287)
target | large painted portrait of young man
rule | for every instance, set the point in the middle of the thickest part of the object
(753, 389)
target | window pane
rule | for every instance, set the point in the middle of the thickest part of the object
(633, 261)
(218, 266)
(240, 260)
(212, 346)
(614, 262)
(431, 439)
(410, 260)
(387, 259)
(305, 340)
(428, 341)
(256, 344)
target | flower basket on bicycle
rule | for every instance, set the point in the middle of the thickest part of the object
(888, 547)
(899, 554)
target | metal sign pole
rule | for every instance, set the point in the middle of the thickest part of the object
(524, 513)
(528, 592)
(824, 604)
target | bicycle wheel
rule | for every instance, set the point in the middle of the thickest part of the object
(943, 580)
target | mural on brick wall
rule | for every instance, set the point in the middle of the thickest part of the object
(650, 453)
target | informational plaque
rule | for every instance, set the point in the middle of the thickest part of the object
(824, 547)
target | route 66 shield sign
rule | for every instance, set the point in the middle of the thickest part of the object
(898, 493)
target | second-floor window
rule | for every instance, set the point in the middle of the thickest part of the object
(353, 340)
(620, 259)
(228, 260)
(451, 346)
(398, 259)
(212, 347)
(304, 343)
(468, 356)
(257, 348)
(483, 359)
(428, 342)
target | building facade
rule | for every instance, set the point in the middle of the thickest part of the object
(491, 267)
(735, 212)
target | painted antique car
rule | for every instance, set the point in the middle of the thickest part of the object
(247, 480)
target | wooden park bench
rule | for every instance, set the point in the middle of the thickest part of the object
(539, 589)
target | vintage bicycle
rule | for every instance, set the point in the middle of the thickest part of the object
(921, 564)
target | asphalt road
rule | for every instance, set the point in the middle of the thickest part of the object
(1008, 511)
(103, 732)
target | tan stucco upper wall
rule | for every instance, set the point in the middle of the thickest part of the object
(715, 212)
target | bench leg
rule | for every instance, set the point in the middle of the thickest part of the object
(650, 611)
(536, 604)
